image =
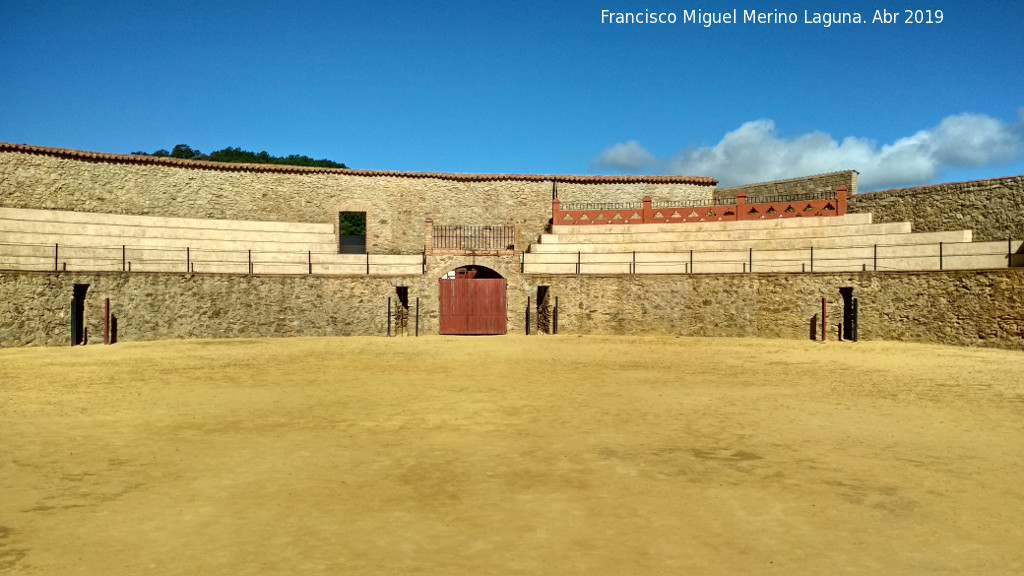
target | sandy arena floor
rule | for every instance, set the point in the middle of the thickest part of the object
(511, 455)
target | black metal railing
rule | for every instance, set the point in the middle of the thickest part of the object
(474, 238)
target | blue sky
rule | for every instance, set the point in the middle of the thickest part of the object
(527, 87)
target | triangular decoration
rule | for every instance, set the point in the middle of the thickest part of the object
(676, 215)
(711, 213)
(567, 217)
(789, 209)
(601, 217)
(729, 213)
(617, 216)
(752, 212)
(635, 216)
(809, 208)
(658, 215)
(693, 214)
(584, 217)
(771, 210)
(829, 207)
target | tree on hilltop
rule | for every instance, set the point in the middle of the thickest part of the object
(239, 156)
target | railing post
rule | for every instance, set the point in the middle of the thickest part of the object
(106, 321)
(579, 261)
(417, 316)
(750, 267)
(824, 334)
(940, 255)
(648, 212)
(554, 324)
(875, 259)
(188, 259)
(250, 261)
(389, 317)
(812, 258)
(309, 260)
(1009, 252)
(527, 315)
(123, 258)
(368, 273)
(691, 260)
(56, 250)
(634, 262)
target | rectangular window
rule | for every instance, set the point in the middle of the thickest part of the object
(351, 232)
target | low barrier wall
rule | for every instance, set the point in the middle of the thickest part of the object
(972, 308)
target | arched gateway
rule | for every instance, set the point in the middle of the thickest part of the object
(472, 301)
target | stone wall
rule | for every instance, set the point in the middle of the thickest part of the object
(976, 308)
(397, 204)
(804, 185)
(993, 209)
(968, 308)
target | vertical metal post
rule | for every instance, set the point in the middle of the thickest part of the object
(522, 263)
(417, 316)
(1009, 252)
(691, 261)
(875, 258)
(250, 261)
(940, 255)
(368, 270)
(579, 261)
(188, 259)
(527, 315)
(824, 334)
(555, 323)
(123, 258)
(750, 267)
(389, 317)
(634, 262)
(74, 322)
(106, 321)
(56, 250)
(309, 260)
(812, 261)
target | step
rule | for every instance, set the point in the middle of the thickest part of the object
(147, 242)
(130, 232)
(756, 234)
(846, 219)
(784, 243)
(160, 221)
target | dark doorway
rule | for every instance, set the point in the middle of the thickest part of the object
(849, 314)
(351, 232)
(472, 301)
(402, 311)
(78, 332)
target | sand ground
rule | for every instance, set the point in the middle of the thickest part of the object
(511, 455)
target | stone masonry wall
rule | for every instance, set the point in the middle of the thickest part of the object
(993, 209)
(978, 308)
(803, 185)
(397, 206)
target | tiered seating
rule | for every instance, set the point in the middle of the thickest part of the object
(83, 241)
(834, 244)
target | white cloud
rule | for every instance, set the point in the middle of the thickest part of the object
(754, 153)
(628, 157)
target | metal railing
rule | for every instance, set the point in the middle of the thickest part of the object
(474, 238)
(853, 258)
(126, 258)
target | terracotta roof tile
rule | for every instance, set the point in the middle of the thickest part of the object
(233, 167)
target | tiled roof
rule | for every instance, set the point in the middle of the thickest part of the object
(278, 168)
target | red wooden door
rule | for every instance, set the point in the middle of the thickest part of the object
(472, 306)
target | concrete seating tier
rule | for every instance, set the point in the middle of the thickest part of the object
(836, 244)
(61, 240)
